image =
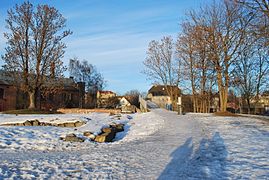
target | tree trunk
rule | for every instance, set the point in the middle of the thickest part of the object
(32, 104)
(223, 99)
(194, 99)
(248, 101)
(223, 91)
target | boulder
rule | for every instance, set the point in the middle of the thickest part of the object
(117, 127)
(69, 124)
(35, 122)
(92, 137)
(48, 124)
(107, 130)
(79, 123)
(73, 138)
(105, 137)
(87, 133)
(100, 138)
(60, 125)
(27, 123)
(109, 133)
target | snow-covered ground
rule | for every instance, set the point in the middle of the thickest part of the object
(241, 146)
(48, 137)
(155, 145)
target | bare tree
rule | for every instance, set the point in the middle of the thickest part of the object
(82, 71)
(226, 26)
(186, 52)
(258, 9)
(133, 97)
(161, 67)
(244, 75)
(192, 49)
(261, 6)
(251, 72)
(86, 72)
(34, 48)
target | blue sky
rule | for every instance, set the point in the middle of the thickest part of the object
(113, 35)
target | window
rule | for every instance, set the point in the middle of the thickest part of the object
(1, 93)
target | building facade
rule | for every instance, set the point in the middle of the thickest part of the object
(158, 95)
(68, 95)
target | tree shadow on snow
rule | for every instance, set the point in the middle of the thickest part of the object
(207, 162)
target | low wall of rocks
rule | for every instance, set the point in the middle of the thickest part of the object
(38, 123)
(86, 111)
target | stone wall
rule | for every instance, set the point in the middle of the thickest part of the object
(77, 110)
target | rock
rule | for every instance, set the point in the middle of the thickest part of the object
(100, 138)
(73, 138)
(109, 133)
(60, 125)
(35, 122)
(48, 124)
(69, 124)
(79, 123)
(7, 125)
(87, 133)
(107, 130)
(92, 137)
(27, 123)
(117, 127)
(111, 114)
(106, 137)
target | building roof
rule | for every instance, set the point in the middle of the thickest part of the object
(5, 79)
(66, 83)
(106, 92)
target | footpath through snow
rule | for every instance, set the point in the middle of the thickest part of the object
(193, 146)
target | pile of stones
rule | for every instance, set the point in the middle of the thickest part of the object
(107, 134)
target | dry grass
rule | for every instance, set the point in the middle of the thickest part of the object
(226, 113)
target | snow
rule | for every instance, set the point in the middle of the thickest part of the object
(48, 138)
(155, 145)
(244, 143)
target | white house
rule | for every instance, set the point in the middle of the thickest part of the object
(124, 102)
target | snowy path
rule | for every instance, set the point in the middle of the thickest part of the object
(186, 147)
